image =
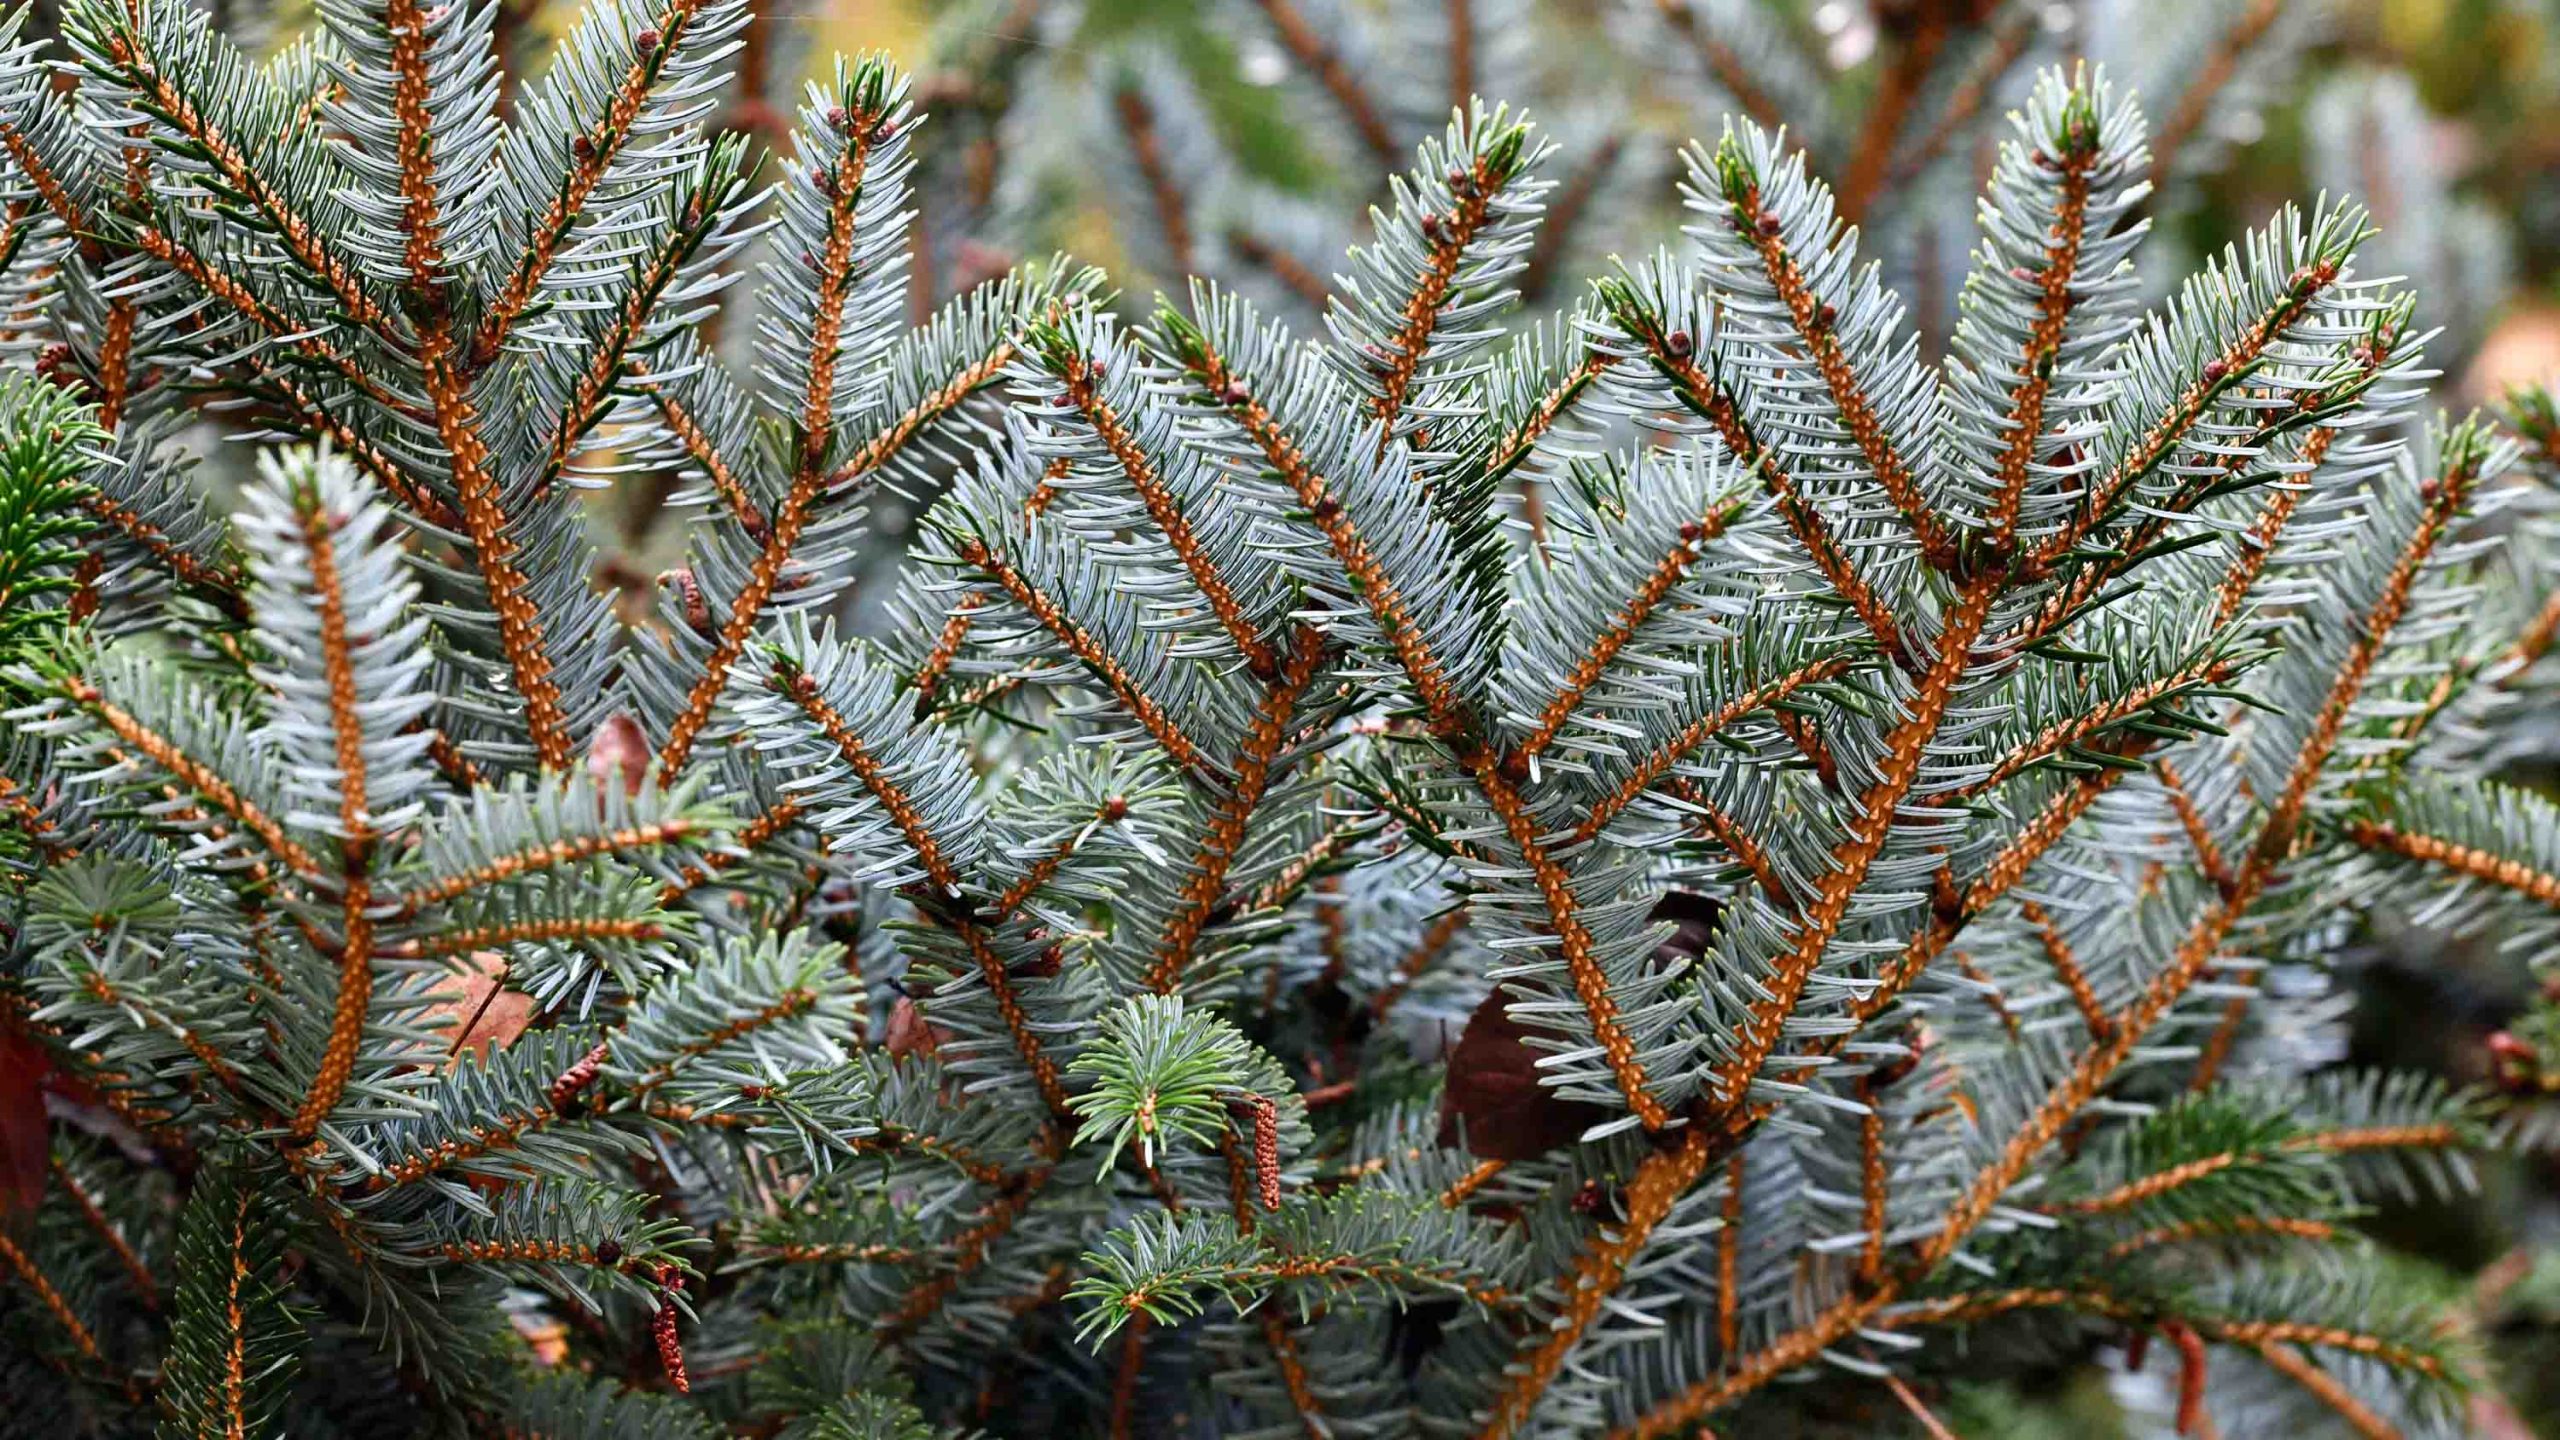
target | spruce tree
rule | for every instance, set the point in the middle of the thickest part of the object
(1263, 937)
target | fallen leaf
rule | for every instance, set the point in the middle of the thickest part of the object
(1492, 1098)
(486, 1013)
(25, 1136)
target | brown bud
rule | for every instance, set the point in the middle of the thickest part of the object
(619, 750)
(583, 148)
(608, 1253)
(1679, 343)
(647, 40)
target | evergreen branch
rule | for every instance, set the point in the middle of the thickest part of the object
(1705, 395)
(1905, 749)
(1440, 700)
(2015, 33)
(1817, 336)
(572, 928)
(1660, 1179)
(1658, 585)
(2209, 857)
(106, 992)
(146, 1289)
(198, 777)
(237, 297)
(2101, 1061)
(2053, 312)
(594, 151)
(2192, 1230)
(1522, 439)
(551, 855)
(1083, 391)
(1657, 762)
(835, 284)
(1495, 164)
(1889, 109)
(1727, 67)
(609, 353)
(218, 586)
(355, 823)
(969, 1252)
(493, 549)
(2066, 966)
(305, 241)
(2081, 731)
(2342, 1140)
(1080, 642)
(50, 1297)
(1250, 247)
(1173, 215)
(1206, 883)
(1714, 824)
(2460, 859)
(412, 87)
(2324, 1387)
(2169, 431)
(1433, 943)
(789, 519)
(700, 448)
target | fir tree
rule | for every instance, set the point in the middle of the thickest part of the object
(1259, 941)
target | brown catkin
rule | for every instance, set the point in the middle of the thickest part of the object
(663, 1325)
(1266, 1150)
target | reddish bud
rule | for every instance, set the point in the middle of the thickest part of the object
(609, 1253)
(619, 751)
(647, 40)
(1679, 342)
(583, 148)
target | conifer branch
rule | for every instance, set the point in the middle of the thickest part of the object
(550, 856)
(594, 151)
(1083, 389)
(1146, 148)
(1658, 586)
(355, 829)
(1656, 763)
(1206, 883)
(1727, 67)
(2359, 1417)
(198, 778)
(1817, 335)
(1701, 392)
(2465, 860)
(1081, 643)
